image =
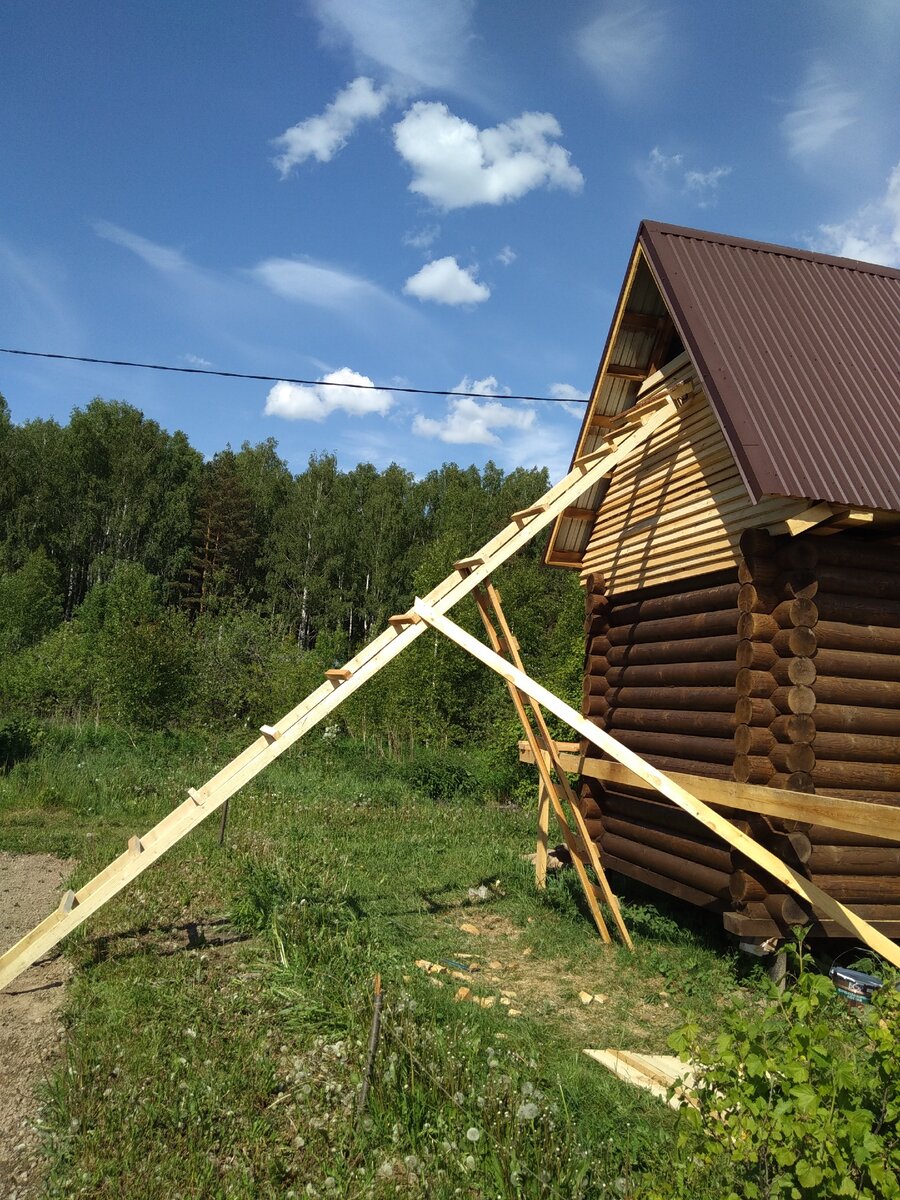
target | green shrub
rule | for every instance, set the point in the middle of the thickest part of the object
(16, 743)
(799, 1096)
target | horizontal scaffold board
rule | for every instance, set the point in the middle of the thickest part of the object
(854, 816)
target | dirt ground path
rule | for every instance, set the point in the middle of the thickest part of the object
(30, 1031)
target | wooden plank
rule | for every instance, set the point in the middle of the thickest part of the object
(539, 746)
(338, 674)
(620, 371)
(808, 519)
(640, 322)
(713, 821)
(312, 710)
(523, 514)
(269, 731)
(834, 812)
(469, 564)
(654, 1073)
(546, 740)
(401, 620)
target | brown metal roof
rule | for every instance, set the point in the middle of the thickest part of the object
(799, 354)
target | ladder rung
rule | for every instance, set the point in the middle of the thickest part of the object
(270, 732)
(338, 674)
(468, 564)
(399, 620)
(135, 845)
(68, 902)
(524, 513)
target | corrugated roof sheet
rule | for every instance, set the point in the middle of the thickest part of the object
(799, 354)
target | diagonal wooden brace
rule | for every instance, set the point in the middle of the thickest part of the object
(714, 821)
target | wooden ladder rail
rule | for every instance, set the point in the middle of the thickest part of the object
(719, 825)
(543, 746)
(339, 685)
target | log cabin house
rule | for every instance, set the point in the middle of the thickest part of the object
(742, 568)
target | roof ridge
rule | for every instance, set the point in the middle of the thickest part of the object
(702, 235)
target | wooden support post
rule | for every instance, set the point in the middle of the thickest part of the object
(318, 705)
(718, 824)
(540, 859)
(223, 822)
(575, 848)
(488, 599)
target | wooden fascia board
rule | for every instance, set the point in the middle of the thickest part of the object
(611, 336)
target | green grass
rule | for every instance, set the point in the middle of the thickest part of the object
(218, 1018)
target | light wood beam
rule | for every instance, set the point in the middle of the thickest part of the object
(707, 816)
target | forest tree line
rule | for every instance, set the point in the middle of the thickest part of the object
(141, 583)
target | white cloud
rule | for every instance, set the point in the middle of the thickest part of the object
(422, 239)
(319, 285)
(445, 282)
(194, 360)
(455, 164)
(315, 402)
(321, 137)
(873, 233)
(822, 108)
(705, 184)
(161, 258)
(506, 256)
(663, 174)
(573, 398)
(420, 44)
(471, 422)
(625, 45)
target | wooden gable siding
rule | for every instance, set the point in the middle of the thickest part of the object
(679, 506)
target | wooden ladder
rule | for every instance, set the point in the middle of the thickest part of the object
(274, 740)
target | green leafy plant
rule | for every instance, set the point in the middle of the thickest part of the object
(799, 1095)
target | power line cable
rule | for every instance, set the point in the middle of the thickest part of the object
(365, 387)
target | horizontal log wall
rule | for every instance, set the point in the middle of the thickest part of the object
(678, 507)
(660, 671)
(772, 677)
(820, 703)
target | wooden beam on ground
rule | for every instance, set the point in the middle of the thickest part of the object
(655, 1073)
(852, 816)
(315, 708)
(707, 816)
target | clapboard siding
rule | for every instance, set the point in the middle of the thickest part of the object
(678, 507)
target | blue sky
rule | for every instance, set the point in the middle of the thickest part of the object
(441, 195)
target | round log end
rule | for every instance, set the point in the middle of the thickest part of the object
(802, 641)
(802, 672)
